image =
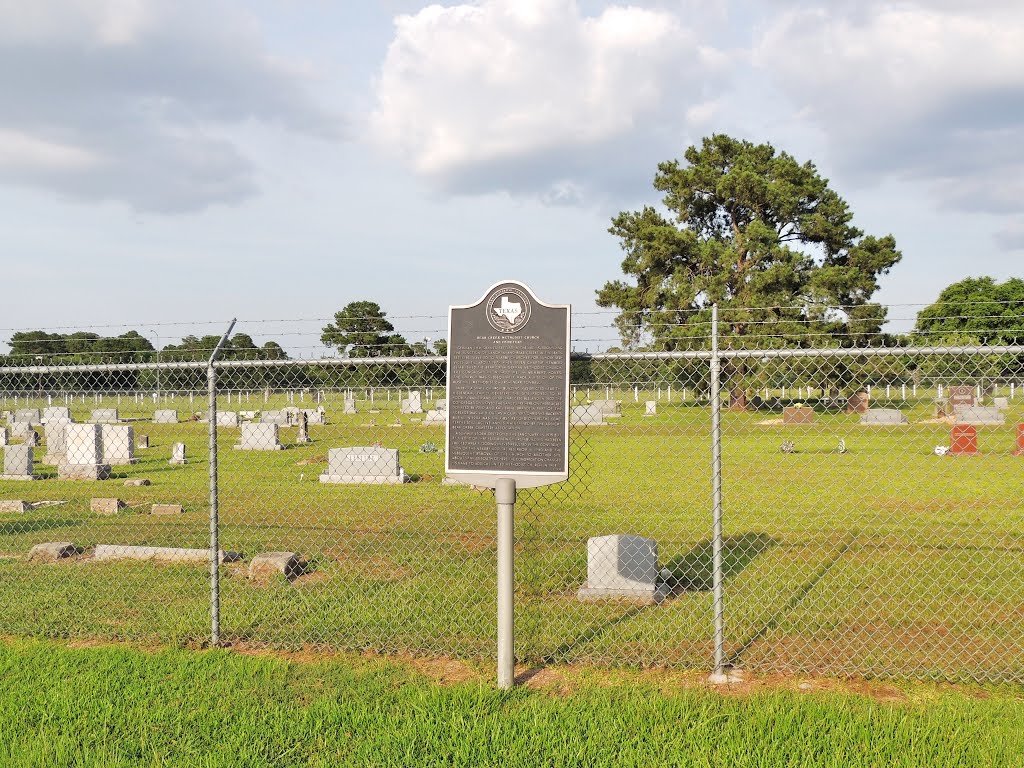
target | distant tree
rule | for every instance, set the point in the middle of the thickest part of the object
(761, 235)
(361, 329)
(977, 310)
(80, 347)
(441, 347)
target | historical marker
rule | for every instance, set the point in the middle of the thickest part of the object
(508, 389)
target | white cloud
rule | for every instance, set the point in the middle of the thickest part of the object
(536, 97)
(135, 100)
(925, 92)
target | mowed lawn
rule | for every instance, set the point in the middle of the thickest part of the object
(885, 560)
(121, 706)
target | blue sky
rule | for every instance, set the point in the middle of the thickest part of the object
(173, 161)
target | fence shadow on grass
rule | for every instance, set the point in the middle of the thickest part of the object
(693, 571)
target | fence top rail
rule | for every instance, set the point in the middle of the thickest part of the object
(345, 362)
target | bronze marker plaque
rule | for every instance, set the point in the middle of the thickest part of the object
(508, 389)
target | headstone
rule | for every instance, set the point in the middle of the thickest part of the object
(858, 402)
(441, 404)
(980, 415)
(316, 416)
(277, 418)
(51, 551)
(83, 456)
(884, 417)
(586, 416)
(55, 445)
(137, 482)
(434, 416)
(270, 563)
(303, 436)
(118, 444)
(963, 440)
(962, 395)
(350, 407)
(142, 442)
(108, 552)
(21, 429)
(178, 454)
(1020, 441)
(941, 409)
(247, 415)
(56, 414)
(32, 438)
(797, 415)
(737, 399)
(622, 566)
(166, 509)
(650, 408)
(14, 505)
(28, 416)
(259, 437)
(18, 463)
(5, 436)
(364, 465)
(412, 404)
(104, 416)
(165, 416)
(106, 506)
(1002, 403)
(227, 419)
(609, 408)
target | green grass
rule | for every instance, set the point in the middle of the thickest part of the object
(119, 706)
(885, 561)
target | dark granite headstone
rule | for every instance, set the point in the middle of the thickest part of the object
(508, 389)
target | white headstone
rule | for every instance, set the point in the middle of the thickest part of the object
(259, 437)
(178, 454)
(350, 406)
(55, 446)
(651, 408)
(413, 403)
(56, 414)
(104, 416)
(883, 417)
(586, 415)
(227, 419)
(369, 465)
(165, 416)
(27, 416)
(18, 463)
(118, 444)
(83, 456)
(622, 565)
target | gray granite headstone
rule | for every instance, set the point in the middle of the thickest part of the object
(118, 443)
(165, 416)
(412, 404)
(1002, 403)
(303, 435)
(55, 414)
(316, 416)
(350, 406)
(104, 416)
(586, 415)
(622, 566)
(227, 419)
(83, 457)
(980, 415)
(609, 408)
(277, 418)
(55, 446)
(259, 437)
(883, 417)
(27, 416)
(364, 465)
(18, 463)
(32, 438)
(20, 429)
(434, 416)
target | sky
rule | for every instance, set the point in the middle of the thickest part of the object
(166, 165)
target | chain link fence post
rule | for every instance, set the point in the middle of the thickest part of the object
(211, 386)
(716, 496)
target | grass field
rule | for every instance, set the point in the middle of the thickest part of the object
(883, 561)
(119, 706)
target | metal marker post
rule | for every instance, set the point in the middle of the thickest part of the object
(716, 496)
(505, 495)
(211, 386)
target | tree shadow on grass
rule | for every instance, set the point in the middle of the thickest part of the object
(11, 527)
(694, 572)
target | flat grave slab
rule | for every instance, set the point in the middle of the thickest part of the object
(370, 465)
(51, 551)
(884, 417)
(109, 552)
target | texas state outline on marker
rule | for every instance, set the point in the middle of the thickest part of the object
(510, 310)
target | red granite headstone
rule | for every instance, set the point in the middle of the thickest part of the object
(737, 399)
(961, 395)
(963, 439)
(858, 403)
(798, 415)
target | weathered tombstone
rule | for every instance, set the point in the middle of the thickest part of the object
(412, 404)
(586, 416)
(441, 404)
(28, 416)
(165, 416)
(858, 402)
(259, 437)
(1020, 441)
(1002, 403)
(961, 395)
(178, 454)
(104, 416)
(622, 566)
(180, 555)
(350, 406)
(51, 551)
(303, 436)
(270, 563)
(83, 453)
(20, 429)
(32, 439)
(367, 465)
(276, 418)
(609, 408)
(650, 408)
(18, 463)
(963, 440)
(106, 506)
(434, 416)
(227, 419)
(142, 442)
(884, 417)
(980, 415)
(14, 505)
(737, 399)
(316, 416)
(118, 443)
(56, 414)
(798, 414)
(166, 509)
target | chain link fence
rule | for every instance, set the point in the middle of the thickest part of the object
(871, 520)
